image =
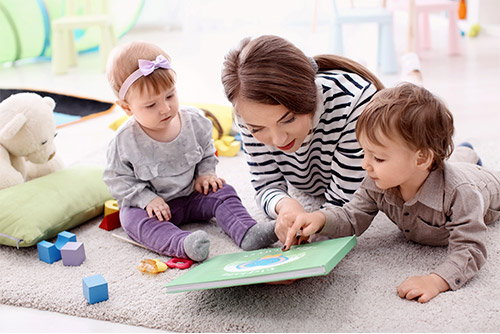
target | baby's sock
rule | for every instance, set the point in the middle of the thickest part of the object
(196, 245)
(259, 236)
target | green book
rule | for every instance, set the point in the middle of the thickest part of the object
(264, 265)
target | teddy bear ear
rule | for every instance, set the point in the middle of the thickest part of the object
(50, 101)
(12, 127)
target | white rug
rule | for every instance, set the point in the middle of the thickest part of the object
(359, 295)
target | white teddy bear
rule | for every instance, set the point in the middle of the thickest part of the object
(27, 131)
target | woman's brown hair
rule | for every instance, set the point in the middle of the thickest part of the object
(271, 70)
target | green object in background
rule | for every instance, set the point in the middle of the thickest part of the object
(21, 28)
(41, 208)
(25, 27)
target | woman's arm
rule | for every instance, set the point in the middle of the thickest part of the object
(266, 177)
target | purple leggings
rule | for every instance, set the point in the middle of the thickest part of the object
(167, 238)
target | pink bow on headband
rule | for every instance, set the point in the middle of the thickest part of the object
(148, 66)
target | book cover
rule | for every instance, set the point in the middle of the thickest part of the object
(264, 265)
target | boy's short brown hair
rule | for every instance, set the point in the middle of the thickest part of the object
(413, 114)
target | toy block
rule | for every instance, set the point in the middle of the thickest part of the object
(47, 252)
(73, 253)
(110, 206)
(95, 289)
(63, 238)
(111, 221)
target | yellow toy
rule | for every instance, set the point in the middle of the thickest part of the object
(227, 146)
(222, 119)
(116, 124)
(221, 116)
(474, 30)
(152, 266)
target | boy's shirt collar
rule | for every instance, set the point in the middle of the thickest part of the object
(430, 194)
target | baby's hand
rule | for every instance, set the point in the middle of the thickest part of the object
(308, 224)
(203, 183)
(159, 208)
(422, 288)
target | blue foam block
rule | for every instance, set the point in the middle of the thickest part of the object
(63, 238)
(47, 252)
(95, 289)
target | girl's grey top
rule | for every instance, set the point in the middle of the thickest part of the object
(140, 168)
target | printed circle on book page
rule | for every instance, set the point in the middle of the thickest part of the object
(263, 262)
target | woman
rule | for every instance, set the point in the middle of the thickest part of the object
(297, 117)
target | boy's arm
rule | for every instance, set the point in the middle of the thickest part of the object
(466, 243)
(351, 219)
(334, 221)
(307, 223)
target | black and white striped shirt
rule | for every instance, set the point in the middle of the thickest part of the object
(329, 161)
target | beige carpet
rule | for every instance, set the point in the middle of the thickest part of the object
(359, 295)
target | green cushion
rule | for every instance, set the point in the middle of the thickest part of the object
(41, 208)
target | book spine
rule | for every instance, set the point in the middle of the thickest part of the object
(350, 242)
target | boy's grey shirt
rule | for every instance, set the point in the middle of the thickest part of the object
(140, 168)
(452, 208)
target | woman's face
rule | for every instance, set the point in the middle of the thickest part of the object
(274, 125)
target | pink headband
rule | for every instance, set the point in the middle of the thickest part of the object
(146, 67)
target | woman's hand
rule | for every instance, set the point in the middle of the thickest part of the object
(288, 209)
(307, 224)
(159, 208)
(422, 288)
(203, 183)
